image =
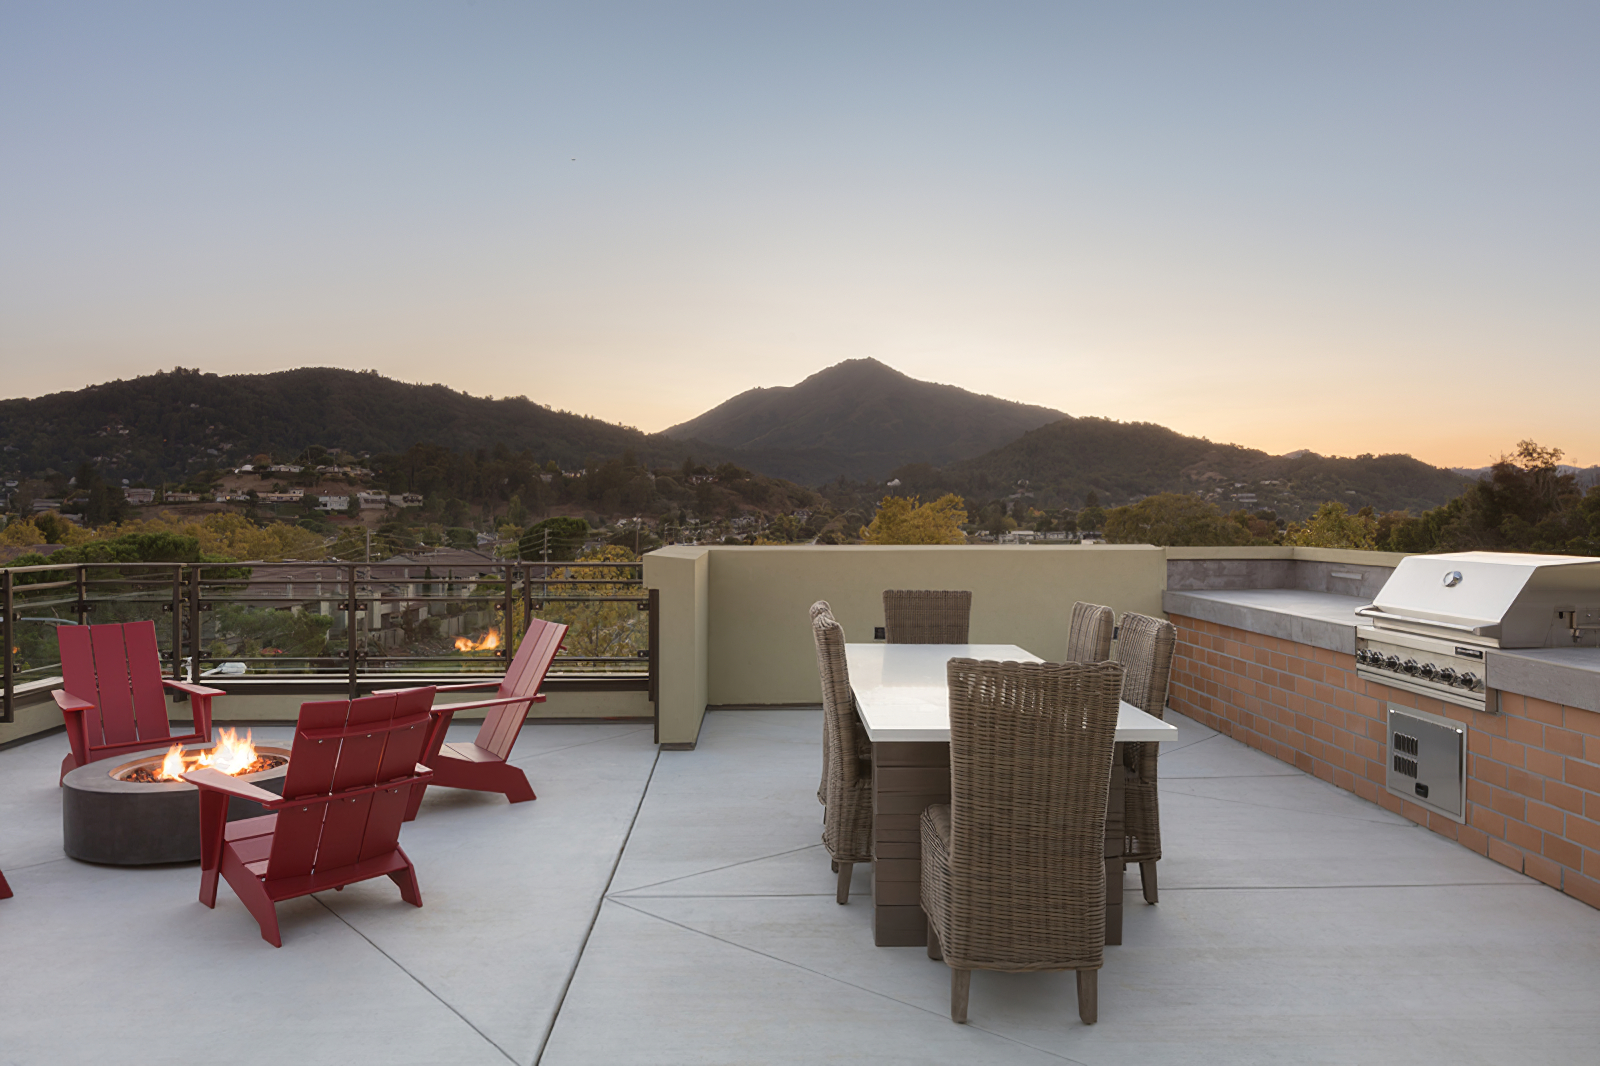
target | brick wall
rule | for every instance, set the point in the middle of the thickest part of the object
(1533, 773)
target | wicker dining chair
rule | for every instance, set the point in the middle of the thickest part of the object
(1145, 651)
(926, 616)
(1013, 868)
(846, 758)
(1089, 640)
(819, 608)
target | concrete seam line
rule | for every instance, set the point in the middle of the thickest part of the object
(579, 744)
(837, 980)
(1529, 883)
(572, 972)
(731, 865)
(420, 982)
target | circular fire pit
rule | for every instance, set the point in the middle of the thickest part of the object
(109, 819)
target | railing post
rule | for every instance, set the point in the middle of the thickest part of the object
(527, 598)
(194, 628)
(505, 645)
(83, 594)
(6, 633)
(177, 621)
(350, 623)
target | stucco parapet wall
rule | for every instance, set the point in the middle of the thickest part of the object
(1569, 676)
(1320, 619)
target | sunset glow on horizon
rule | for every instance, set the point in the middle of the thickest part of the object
(1362, 228)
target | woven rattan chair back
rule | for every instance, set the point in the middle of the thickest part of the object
(1089, 639)
(1030, 771)
(847, 782)
(1145, 648)
(926, 616)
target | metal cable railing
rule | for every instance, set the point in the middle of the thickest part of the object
(335, 626)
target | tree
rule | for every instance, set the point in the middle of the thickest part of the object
(1092, 517)
(1333, 526)
(554, 539)
(902, 520)
(1172, 518)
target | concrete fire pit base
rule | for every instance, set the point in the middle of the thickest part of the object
(132, 823)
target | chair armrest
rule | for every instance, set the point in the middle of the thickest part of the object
(68, 702)
(477, 704)
(217, 781)
(467, 685)
(193, 690)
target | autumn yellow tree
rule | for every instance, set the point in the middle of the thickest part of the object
(1333, 526)
(903, 520)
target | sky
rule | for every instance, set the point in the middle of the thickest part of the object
(1354, 227)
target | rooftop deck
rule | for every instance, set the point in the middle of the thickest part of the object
(677, 907)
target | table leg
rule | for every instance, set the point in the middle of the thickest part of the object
(906, 779)
(1114, 844)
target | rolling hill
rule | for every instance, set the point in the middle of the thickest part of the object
(167, 425)
(1124, 461)
(860, 419)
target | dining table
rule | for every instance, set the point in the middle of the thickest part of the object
(903, 700)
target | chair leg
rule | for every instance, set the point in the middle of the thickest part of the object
(1147, 880)
(406, 878)
(843, 895)
(934, 950)
(1089, 996)
(960, 985)
(834, 866)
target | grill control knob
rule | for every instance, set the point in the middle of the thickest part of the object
(1392, 663)
(1470, 681)
(1447, 676)
(1428, 672)
(1363, 656)
(1410, 666)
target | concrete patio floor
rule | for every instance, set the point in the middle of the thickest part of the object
(678, 908)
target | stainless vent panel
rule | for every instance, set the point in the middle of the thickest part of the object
(1428, 761)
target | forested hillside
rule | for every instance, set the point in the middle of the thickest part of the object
(1123, 461)
(168, 426)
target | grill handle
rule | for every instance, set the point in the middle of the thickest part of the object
(1372, 610)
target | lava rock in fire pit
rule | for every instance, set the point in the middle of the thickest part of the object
(108, 818)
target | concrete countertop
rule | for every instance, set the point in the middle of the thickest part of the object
(1320, 619)
(1568, 676)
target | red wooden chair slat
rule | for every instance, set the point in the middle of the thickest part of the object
(77, 676)
(111, 675)
(502, 724)
(113, 697)
(351, 772)
(5, 889)
(144, 682)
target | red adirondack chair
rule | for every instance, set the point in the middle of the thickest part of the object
(352, 767)
(113, 698)
(5, 889)
(481, 765)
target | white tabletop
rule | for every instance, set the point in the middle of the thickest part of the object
(902, 695)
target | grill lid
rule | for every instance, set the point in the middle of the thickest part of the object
(1502, 599)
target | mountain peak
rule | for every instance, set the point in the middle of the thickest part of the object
(864, 418)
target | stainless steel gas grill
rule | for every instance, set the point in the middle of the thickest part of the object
(1437, 616)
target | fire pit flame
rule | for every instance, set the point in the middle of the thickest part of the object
(231, 755)
(490, 641)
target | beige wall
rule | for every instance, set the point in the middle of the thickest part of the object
(682, 575)
(760, 640)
